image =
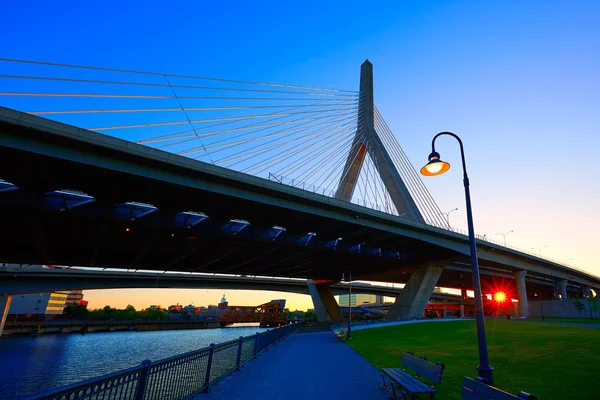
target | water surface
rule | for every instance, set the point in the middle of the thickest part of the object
(29, 365)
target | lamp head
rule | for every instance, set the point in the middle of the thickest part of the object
(435, 166)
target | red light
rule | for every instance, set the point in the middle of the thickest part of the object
(127, 230)
(172, 234)
(500, 297)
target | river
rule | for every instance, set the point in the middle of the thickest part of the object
(30, 365)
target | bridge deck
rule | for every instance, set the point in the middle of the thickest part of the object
(304, 366)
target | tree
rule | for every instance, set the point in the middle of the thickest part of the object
(108, 309)
(579, 305)
(76, 311)
(593, 303)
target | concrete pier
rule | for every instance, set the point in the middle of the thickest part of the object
(522, 291)
(411, 302)
(326, 307)
(562, 285)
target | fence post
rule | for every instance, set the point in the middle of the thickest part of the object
(211, 351)
(140, 391)
(239, 353)
(256, 344)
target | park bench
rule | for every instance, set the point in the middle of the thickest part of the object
(411, 387)
(340, 335)
(478, 389)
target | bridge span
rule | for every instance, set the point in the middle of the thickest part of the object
(72, 196)
(21, 280)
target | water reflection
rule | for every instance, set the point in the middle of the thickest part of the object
(30, 365)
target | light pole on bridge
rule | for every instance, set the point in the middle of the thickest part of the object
(447, 214)
(349, 280)
(504, 235)
(539, 249)
(436, 166)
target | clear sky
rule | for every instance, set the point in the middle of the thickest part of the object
(517, 80)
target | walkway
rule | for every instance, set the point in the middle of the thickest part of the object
(303, 366)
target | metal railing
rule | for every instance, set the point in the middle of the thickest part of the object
(175, 378)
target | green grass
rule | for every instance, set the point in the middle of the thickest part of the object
(570, 320)
(550, 361)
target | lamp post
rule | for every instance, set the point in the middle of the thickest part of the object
(349, 299)
(504, 236)
(436, 166)
(447, 214)
(539, 249)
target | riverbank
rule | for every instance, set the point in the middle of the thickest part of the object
(35, 328)
(31, 365)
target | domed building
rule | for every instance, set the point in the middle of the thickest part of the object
(223, 303)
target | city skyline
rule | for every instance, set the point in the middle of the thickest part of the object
(517, 81)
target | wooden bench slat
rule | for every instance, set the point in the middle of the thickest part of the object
(407, 381)
(476, 390)
(431, 371)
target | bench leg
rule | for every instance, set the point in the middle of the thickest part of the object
(393, 394)
(383, 386)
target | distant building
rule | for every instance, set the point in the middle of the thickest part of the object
(75, 297)
(156, 308)
(223, 304)
(281, 302)
(357, 299)
(189, 309)
(48, 303)
(175, 308)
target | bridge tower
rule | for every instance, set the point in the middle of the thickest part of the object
(411, 303)
(367, 141)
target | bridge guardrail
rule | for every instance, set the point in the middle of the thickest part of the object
(284, 180)
(175, 378)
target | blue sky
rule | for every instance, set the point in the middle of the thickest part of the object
(517, 80)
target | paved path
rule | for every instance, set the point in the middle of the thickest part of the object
(303, 366)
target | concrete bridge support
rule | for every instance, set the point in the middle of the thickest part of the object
(522, 291)
(326, 308)
(562, 286)
(411, 302)
(4, 306)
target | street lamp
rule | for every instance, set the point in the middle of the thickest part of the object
(447, 214)
(504, 236)
(539, 249)
(434, 167)
(349, 300)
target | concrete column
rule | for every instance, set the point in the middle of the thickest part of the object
(522, 291)
(463, 293)
(562, 285)
(412, 300)
(462, 310)
(587, 293)
(4, 306)
(326, 308)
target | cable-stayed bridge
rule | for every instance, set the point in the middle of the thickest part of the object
(227, 176)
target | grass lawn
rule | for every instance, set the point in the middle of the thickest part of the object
(570, 320)
(550, 361)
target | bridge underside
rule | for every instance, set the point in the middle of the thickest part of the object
(102, 233)
(239, 224)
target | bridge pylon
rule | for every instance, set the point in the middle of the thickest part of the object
(367, 141)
